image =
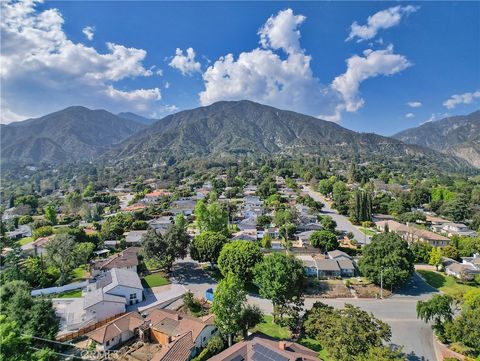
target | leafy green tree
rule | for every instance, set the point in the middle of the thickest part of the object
(324, 240)
(458, 208)
(361, 207)
(465, 329)
(266, 241)
(14, 344)
(89, 190)
(325, 186)
(239, 258)
(157, 250)
(421, 251)
(388, 255)
(83, 252)
(435, 258)
(345, 333)
(50, 214)
(382, 353)
(472, 298)
(211, 217)
(42, 232)
(328, 223)
(139, 225)
(438, 309)
(73, 202)
(60, 253)
(264, 221)
(29, 200)
(38, 274)
(251, 316)
(25, 220)
(340, 197)
(450, 251)
(412, 217)
(206, 246)
(280, 279)
(228, 304)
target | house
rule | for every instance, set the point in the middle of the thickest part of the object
(155, 196)
(248, 224)
(463, 271)
(309, 265)
(183, 206)
(273, 232)
(472, 261)
(252, 211)
(134, 238)
(21, 232)
(119, 282)
(303, 238)
(163, 222)
(328, 268)
(117, 331)
(456, 229)
(338, 255)
(134, 208)
(413, 234)
(247, 235)
(260, 347)
(181, 336)
(347, 268)
(37, 247)
(250, 190)
(309, 226)
(127, 259)
(382, 217)
(252, 201)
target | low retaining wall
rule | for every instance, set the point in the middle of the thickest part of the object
(60, 289)
(442, 351)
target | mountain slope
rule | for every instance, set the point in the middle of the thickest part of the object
(458, 135)
(229, 129)
(136, 118)
(72, 134)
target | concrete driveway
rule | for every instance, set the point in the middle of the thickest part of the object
(399, 311)
(343, 223)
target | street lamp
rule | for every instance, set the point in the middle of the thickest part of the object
(381, 282)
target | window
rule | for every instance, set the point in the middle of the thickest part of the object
(133, 296)
(108, 343)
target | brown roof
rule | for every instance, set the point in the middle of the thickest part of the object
(259, 344)
(177, 350)
(402, 228)
(128, 322)
(173, 323)
(126, 258)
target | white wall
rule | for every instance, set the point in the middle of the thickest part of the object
(104, 310)
(125, 292)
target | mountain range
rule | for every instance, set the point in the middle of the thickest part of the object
(224, 129)
(458, 136)
(72, 134)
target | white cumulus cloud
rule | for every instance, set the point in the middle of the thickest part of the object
(465, 98)
(381, 20)
(414, 104)
(279, 73)
(43, 70)
(88, 31)
(409, 115)
(360, 68)
(185, 63)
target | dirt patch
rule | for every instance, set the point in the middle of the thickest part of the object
(327, 289)
(370, 291)
(138, 351)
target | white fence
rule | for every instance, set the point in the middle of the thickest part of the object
(65, 288)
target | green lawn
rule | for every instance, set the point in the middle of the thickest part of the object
(69, 294)
(271, 329)
(25, 241)
(367, 231)
(79, 274)
(155, 280)
(446, 284)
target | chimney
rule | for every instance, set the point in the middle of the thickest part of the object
(282, 345)
(176, 317)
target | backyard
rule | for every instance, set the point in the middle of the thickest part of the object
(446, 284)
(155, 280)
(68, 294)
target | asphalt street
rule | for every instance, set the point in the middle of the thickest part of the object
(343, 224)
(399, 311)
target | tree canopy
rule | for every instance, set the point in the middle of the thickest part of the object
(206, 246)
(239, 258)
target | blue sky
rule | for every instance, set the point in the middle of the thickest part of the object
(418, 52)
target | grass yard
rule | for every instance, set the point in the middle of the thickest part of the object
(315, 346)
(446, 284)
(69, 294)
(80, 274)
(271, 329)
(367, 231)
(25, 241)
(155, 280)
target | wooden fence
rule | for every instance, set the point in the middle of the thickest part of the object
(87, 329)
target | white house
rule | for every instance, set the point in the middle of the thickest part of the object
(134, 238)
